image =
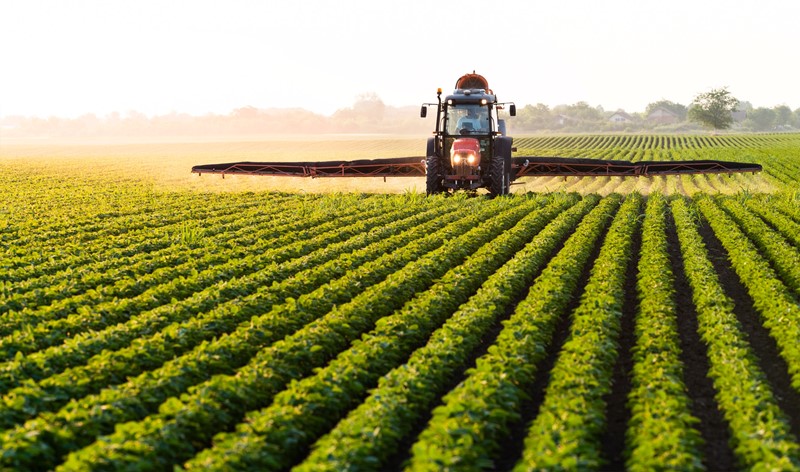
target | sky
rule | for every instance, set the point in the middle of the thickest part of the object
(70, 58)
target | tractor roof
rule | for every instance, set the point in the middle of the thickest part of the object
(470, 96)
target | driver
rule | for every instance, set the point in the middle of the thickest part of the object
(471, 122)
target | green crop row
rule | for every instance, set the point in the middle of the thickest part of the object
(102, 228)
(54, 328)
(371, 433)
(98, 274)
(474, 420)
(661, 432)
(136, 283)
(783, 257)
(247, 291)
(787, 227)
(636, 142)
(278, 436)
(789, 206)
(760, 434)
(80, 422)
(179, 336)
(114, 240)
(157, 441)
(780, 311)
(566, 432)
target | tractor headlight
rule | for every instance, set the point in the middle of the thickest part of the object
(459, 158)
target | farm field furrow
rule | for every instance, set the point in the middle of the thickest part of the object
(165, 321)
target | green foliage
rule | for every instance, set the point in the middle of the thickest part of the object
(566, 432)
(473, 421)
(713, 109)
(159, 330)
(760, 434)
(661, 433)
(761, 119)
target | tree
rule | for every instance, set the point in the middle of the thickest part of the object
(677, 108)
(745, 106)
(534, 117)
(365, 114)
(783, 115)
(761, 119)
(369, 107)
(714, 109)
(584, 112)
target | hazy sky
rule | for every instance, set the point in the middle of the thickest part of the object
(67, 58)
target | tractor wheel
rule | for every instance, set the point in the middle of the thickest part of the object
(499, 177)
(433, 175)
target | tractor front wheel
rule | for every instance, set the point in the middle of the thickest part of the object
(499, 176)
(433, 175)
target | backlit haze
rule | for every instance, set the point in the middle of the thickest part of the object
(69, 58)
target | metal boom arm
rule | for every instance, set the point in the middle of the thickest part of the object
(566, 166)
(394, 167)
(521, 167)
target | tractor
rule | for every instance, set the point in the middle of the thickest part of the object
(469, 149)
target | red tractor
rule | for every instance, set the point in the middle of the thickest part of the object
(469, 149)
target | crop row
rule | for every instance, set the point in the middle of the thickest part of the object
(566, 431)
(779, 309)
(469, 428)
(123, 275)
(124, 237)
(181, 331)
(53, 324)
(774, 152)
(157, 440)
(317, 263)
(783, 257)
(103, 227)
(276, 437)
(759, 429)
(371, 433)
(661, 432)
(785, 225)
(81, 421)
(657, 142)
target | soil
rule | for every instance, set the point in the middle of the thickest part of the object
(761, 343)
(717, 454)
(618, 414)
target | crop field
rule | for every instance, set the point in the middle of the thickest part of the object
(151, 319)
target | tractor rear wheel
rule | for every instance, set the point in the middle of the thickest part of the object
(499, 176)
(433, 175)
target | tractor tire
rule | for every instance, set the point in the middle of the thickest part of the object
(499, 176)
(433, 175)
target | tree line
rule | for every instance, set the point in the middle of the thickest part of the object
(716, 109)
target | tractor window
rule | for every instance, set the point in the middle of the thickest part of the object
(468, 119)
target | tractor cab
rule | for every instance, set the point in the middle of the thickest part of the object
(468, 123)
(469, 119)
